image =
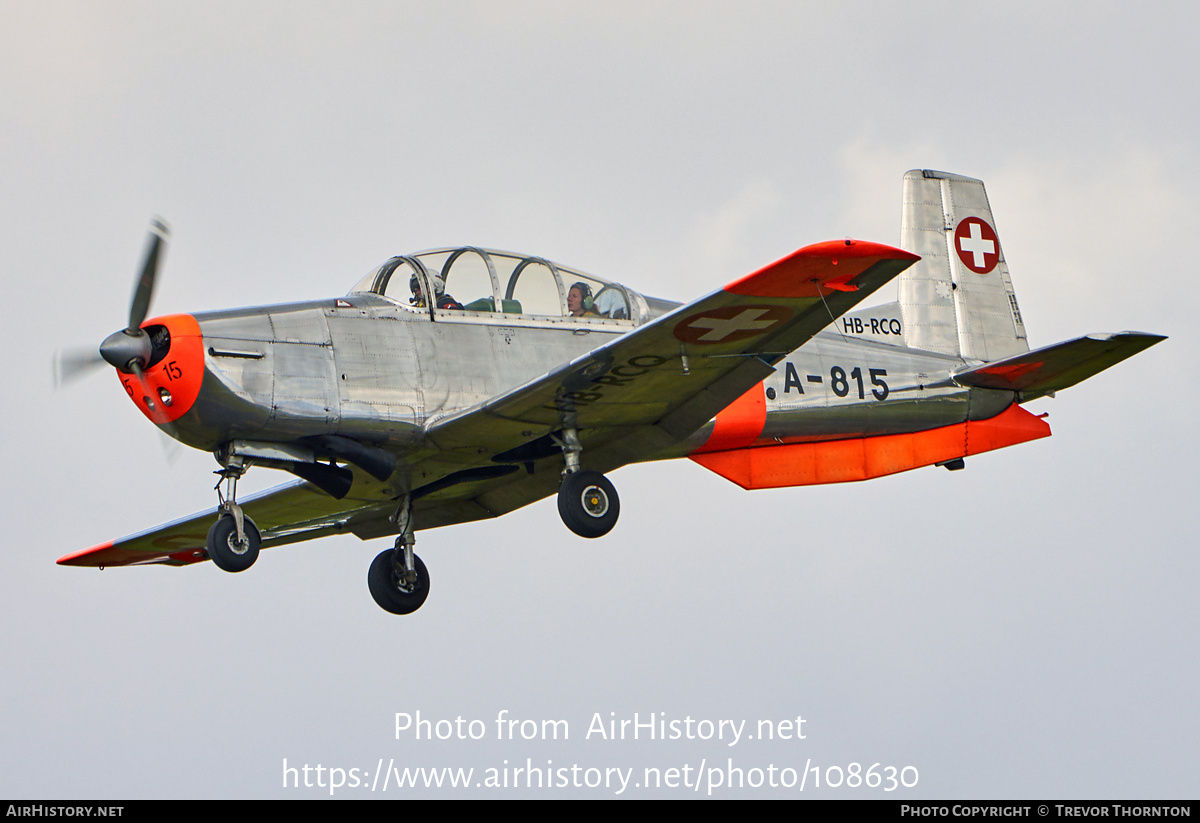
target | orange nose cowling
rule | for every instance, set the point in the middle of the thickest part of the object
(177, 376)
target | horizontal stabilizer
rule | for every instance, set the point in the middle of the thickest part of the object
(1050, 369)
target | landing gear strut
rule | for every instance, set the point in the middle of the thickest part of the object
(233, 541)
(397, 578)
(587, 501)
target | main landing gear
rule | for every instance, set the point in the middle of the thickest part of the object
(587, 501)
(397, 578)
(233, 541)
(395, 588)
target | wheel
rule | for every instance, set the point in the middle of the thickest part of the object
(389, 592)
(588, 504)
(225, 551)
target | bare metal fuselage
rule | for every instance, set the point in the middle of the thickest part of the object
(376, 371)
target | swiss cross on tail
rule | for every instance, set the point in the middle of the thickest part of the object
(977, 245)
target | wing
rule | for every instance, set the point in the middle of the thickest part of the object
(675, 373)
(1053, 368)
(286, 514)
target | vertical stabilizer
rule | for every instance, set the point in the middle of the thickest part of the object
(959, 298)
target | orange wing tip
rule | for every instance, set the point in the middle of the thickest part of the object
(843, 461)
(829, 266)
(84, 558)
(108, 554)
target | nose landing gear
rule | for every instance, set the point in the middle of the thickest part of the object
(233, 541)
(227, 551)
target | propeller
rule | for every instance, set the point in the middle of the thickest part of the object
(75, 363)
(127, 350)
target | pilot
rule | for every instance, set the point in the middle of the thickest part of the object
(579, 300)
(444, 301)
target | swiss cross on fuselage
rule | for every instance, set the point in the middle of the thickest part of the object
(977, 245)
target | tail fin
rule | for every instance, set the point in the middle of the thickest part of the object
(959, 298)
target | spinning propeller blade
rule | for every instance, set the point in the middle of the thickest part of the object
(143, 289)
(128, 350)
(72, 364)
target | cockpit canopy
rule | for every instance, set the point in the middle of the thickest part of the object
(474, 280)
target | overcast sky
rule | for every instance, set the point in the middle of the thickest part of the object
(1024, 628)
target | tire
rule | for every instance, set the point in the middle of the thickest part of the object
(223, 548)
(588, 504)
(391, 595)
